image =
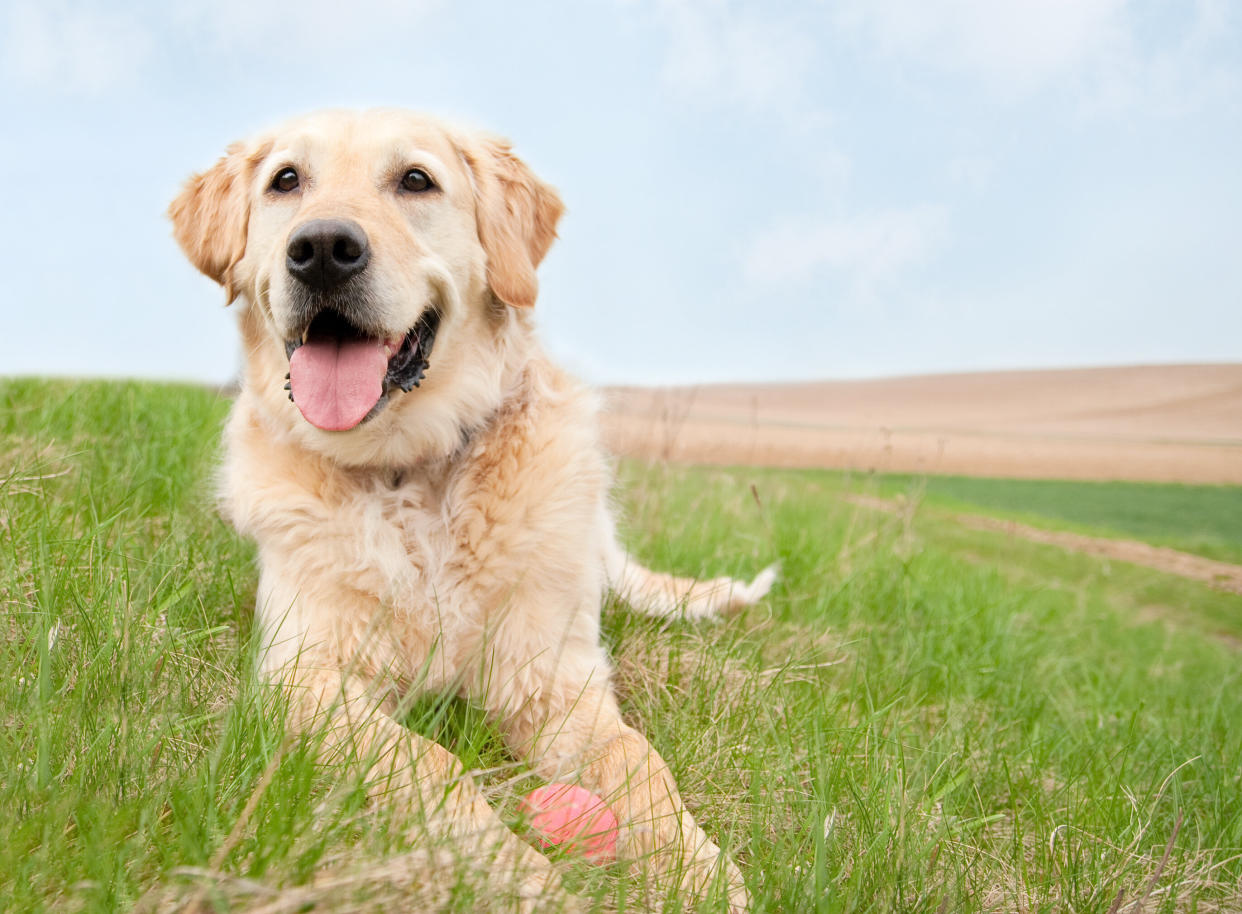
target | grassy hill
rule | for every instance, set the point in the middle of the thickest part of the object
(922, 717)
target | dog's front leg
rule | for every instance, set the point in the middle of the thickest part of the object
(579, 735)
(423, 779)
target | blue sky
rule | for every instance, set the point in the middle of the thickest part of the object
(756, 191)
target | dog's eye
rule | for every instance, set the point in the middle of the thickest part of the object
(285, 181)
(416, 180)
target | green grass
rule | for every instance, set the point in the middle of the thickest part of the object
(921, 718)
(1206, 520)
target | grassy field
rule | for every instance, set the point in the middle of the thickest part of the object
(1206, 520)
(922, 717)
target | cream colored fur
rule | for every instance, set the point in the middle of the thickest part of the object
(461, 539)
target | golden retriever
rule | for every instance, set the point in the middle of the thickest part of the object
(427, 490)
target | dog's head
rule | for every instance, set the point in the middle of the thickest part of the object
(364, 245)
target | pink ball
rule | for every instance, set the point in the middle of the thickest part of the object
(573, 819)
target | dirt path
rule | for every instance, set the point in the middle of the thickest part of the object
(1219, 575)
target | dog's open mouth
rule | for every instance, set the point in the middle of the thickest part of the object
(339, 376)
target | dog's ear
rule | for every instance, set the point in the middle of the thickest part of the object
(211, 213)
(517, 215)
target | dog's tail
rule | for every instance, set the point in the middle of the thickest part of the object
(658, 594)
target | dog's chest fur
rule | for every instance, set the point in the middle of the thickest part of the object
(427, 561)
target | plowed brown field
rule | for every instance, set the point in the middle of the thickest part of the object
(1176, 423)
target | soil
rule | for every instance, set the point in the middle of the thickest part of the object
(1170, 423)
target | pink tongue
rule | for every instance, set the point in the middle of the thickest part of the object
(335, 383)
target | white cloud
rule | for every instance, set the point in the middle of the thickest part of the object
(731, 55)
(1017, 44)
(300, 26)
(1188, 63)
(73, 48)
(973, 172)
(1168, 56)
(870, 252)
(88, 47)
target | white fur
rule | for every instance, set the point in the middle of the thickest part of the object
(461, 540)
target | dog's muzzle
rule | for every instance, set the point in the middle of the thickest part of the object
(341, 372)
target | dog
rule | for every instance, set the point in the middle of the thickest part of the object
(427, 491)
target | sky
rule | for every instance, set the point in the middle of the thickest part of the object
(756, 191)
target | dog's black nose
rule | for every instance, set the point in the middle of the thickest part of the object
(323, 253)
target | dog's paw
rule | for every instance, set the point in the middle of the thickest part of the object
(713, 875)
(528, 881)
(541, 892)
